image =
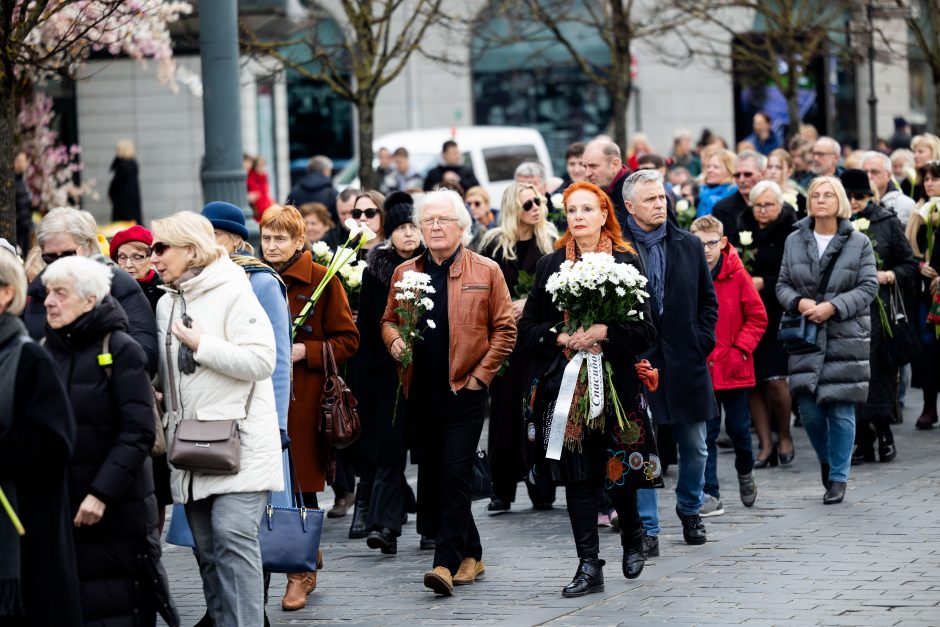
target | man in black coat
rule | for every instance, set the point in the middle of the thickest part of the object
(316, 185)
(603, 166)
(64, 232)
(685, 311)
(748, 171)
(451, 170)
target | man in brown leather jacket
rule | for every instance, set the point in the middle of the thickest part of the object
(474, 330)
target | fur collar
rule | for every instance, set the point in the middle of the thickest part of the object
(382, 261)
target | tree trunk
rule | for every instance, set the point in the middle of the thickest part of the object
(365, 110)
(7, 193)
(620, 83)
(936, 98)
(793, 112)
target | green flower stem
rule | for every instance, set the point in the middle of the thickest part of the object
(614, 399)
(13, 517)
(331, 270)
(883, 314)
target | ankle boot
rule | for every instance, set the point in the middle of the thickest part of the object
(824, 473)
(299, 585)
(357, 529)
(835, 493)
(886, 448)
(589, 578)
(633, 556)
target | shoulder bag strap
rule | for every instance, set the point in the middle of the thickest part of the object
(826, 275)
(169, 361)
(250, 396)
(329, 359)
(104, 359)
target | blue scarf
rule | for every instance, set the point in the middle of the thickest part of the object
(656, 262)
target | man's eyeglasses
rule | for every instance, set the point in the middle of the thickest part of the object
(161, 247)
(441, 222)
(712, 244)
(745, 175)
(135, 259)
(819, 153)
(369, 213)
(765, 206)
(532, 202)
(53, 257)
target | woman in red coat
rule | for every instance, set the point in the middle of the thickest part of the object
(742, 321)
(282, 243)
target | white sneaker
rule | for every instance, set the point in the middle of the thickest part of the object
(711, 507)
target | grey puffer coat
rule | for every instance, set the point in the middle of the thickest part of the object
(838, 371)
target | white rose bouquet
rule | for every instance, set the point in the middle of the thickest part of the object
(863, 226)
(595, 289)
(411, 293)
(748, 254)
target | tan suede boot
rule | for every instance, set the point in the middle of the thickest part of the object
(299, 585)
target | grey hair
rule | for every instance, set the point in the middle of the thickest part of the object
(87, 277)
(640, 176)
(761, 187)
(452, 198)
(530, 168)
(79, 225)
(759, 160)
(320, 163)
(874, 154)
(836, 147)
(610, 149)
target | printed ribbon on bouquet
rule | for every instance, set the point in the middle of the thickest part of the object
(569, 381)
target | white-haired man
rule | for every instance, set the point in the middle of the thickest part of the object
(877, 166)
(471, 331)
(826, 155)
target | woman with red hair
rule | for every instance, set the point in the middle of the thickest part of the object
(617, 460)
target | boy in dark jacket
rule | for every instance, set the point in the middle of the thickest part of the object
(742, 321)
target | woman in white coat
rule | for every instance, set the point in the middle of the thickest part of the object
(221, 355)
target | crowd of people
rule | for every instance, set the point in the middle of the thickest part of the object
(781, 280)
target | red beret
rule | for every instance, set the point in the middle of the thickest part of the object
(136, 233)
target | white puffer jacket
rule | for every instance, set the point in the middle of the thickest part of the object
(236, 349)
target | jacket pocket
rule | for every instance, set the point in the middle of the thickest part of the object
(475, 287)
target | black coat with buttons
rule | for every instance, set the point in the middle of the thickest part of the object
(119, 557)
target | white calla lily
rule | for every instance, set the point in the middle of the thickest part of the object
(367, 234)
(353, 227)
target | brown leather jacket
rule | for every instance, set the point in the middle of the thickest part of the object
(479, 311)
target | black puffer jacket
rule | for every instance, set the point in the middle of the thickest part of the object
(117, 557)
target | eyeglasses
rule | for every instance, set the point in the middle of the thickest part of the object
(369, 213)
(826, 196)
(766, 206)
(818, 153)
(441, 222)
(476, 203)
(712, 244)
(135, 259)
(858, 195)
(532, 202)
(53, 257)
(745, 175)
(161, 247)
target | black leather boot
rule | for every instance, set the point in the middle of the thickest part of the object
(693, 530)
(357, 528)
(835, 493)
(383, 539)
(589, 578)
(633, 555)
(824, 473)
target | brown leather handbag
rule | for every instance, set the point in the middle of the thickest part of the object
(339, 424)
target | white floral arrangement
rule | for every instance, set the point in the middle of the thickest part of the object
(411, 293)
(583, 288)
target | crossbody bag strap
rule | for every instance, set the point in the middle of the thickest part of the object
(250, 396)
(826, 275)
(104, 359)
(169, 361)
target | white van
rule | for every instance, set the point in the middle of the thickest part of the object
(493, 151)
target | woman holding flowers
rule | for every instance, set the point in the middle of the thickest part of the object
(896, 272)
(923, 232)
(523, 238)
(827, 381)
(282, 244)
(607, 437)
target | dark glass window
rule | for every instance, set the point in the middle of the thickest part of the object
(501, 162)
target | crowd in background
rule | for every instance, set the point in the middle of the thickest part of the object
(186, 318)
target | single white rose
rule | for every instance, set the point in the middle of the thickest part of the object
(558, 201)
(746, 238)
(862, 224)
(682, 205)
(432, 324)
(320, 249)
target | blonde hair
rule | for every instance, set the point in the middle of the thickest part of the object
(125, 149)
(727, 158)
(506, 235)
(34, 263)
(478, 190)
(189, 230)
(845, 208)
(927, 140)
(12, 274)
(235, 241)
(708, 224)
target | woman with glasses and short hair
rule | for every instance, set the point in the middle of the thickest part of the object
(827, 381)
(524, 237)
(130, 250)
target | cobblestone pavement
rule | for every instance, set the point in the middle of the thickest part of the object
(789, 560)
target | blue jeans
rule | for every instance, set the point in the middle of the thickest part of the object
(738, 425)
(831, 430)
(225, 527)
(690, 440)
(647, 504)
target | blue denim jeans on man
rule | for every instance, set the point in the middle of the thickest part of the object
(690, 441)
(738, 426)
(831, 430)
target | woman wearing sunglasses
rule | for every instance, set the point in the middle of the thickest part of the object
(367, 210)
(524, 237)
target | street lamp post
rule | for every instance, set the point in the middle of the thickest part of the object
(872, 98)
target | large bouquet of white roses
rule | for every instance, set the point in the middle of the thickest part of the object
(595, 289)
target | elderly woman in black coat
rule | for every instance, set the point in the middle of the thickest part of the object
(896, 272)
(38, 580)
(383, 447)
(110, 478)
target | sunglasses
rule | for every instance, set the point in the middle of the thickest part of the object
(532, 202)
(859, 195)
(53, 257)
(745, 175)
(368, 213)
(161, 247)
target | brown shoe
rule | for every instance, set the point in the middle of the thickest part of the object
(299, 585)
(440, 580)
(340, 506)
(470, 570)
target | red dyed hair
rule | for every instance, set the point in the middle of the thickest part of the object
(611, 227)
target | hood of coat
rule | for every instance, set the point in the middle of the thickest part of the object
(314, 182)
(216, 274)
(730, 263)
(381, 262)
(107, 317)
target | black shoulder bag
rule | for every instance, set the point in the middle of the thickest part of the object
(797, 333)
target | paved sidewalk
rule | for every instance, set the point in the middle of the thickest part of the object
(789, 560)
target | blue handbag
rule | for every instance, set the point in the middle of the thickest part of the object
(290, 536)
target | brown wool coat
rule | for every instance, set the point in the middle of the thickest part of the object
(331, 319)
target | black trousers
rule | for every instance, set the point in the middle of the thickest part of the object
(583, 497)
(387, 496)
(450, 432)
